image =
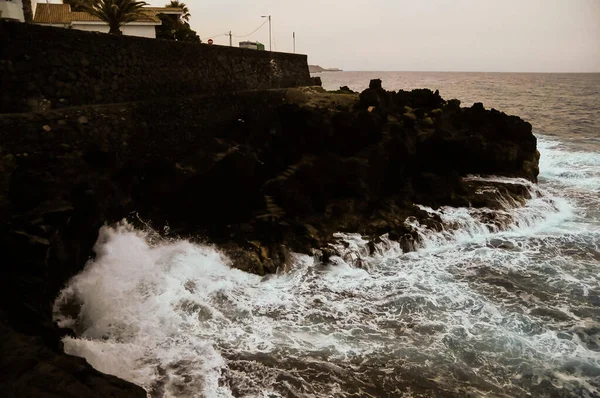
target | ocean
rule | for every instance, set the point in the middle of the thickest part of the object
(476, 311)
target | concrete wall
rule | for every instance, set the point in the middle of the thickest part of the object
(12, 10)
(140, 30)
(148, 30)
(47, 68)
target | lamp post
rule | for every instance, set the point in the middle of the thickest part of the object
(268, 16)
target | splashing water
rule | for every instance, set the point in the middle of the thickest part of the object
(489, 309)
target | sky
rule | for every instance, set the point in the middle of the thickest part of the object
(416, 35)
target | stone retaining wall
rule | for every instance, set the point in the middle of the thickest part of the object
(47, 68)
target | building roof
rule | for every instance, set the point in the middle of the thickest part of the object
(146, 16)
(52, 13)
(165, 10)
(62, 14)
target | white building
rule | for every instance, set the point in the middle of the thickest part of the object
(253, 45)
(12, 9)
(61, 15)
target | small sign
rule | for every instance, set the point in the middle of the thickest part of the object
(210, 41)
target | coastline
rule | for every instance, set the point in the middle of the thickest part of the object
(306, 163)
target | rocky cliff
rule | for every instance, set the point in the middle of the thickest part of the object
(259, 173)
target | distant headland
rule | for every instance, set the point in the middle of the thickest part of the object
(317, 69)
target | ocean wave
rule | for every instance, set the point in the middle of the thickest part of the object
(476, 305)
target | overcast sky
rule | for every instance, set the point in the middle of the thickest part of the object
(417, 35)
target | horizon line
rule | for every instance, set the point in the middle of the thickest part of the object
(462, 71)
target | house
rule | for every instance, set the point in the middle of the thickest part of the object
(61, 15)
(12, 9)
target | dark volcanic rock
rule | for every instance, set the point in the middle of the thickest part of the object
(30, 368)
(476, 141)
(245, 160)
(258, 173)
(316, 81)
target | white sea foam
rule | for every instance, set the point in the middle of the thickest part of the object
(176, 319)
(574, 168)
(141, 307)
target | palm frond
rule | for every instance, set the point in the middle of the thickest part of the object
(186, 11)
(115, 12)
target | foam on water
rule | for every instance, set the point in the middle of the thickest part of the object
(493, 309)
(560, 162)
(576, 171)
(139, 307)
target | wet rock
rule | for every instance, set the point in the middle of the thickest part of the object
(500, 281)
(408, 243)
(246, 259)
(372, 247)
(30, 369)
(326, 253)
(550, 313)
(501, 244)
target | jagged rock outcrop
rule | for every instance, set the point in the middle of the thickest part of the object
(258, 173)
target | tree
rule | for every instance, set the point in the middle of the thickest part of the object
(76, 5)
(186, 11)
(115, 13)
(175, 27)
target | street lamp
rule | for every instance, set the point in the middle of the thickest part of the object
(268, 16)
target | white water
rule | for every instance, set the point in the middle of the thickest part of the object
(174, 318)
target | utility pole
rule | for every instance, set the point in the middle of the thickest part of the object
(230, 39)
(268, 16)
(294, 36)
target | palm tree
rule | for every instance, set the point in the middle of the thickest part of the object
(114, 12)
(186, 11)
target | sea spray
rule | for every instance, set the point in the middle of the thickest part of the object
(493, 309)
(139, 307)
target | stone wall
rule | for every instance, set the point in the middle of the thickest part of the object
(43, 68)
